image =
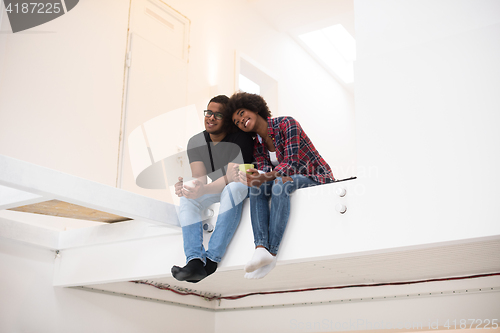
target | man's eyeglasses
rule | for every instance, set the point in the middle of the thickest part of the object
(217, 115)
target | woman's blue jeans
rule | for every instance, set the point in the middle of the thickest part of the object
(190, 218)
(269, 224)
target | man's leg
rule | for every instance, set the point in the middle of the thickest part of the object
(190, 217)
(231, 203)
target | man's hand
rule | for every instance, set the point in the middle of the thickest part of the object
(241, 177)
(178, 187)
(232, 173)
(194, 192)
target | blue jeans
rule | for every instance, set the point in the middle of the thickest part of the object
(190, 218)
(269, 225)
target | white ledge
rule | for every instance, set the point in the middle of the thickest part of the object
(26, 233)
(40, 184)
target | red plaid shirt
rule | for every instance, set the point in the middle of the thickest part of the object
(296, 154)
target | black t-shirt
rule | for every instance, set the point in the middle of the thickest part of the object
(234, 148)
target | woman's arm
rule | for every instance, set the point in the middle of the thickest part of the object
(291, 145)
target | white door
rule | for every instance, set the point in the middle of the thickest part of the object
(156, 84)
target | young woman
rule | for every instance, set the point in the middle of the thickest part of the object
(286, 160)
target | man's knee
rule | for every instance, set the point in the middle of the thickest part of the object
(189, 204)
(237, 191)
(184, 202)
(237, 187)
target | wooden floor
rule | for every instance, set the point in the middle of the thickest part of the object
(65, 209)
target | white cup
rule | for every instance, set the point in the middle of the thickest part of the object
(189, 184)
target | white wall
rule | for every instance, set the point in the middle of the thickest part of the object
(29, 302)
(306, 91)
(61, 83)
(427, 102)
(60, 107)
(427, 82)
(61, 90)
(427, 314)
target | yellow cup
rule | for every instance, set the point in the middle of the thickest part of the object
(245, 167)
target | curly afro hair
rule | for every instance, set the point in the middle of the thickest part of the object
(252, 102)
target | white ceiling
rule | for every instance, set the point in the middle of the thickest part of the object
(438, 262)
(298, 16)
(402, 265)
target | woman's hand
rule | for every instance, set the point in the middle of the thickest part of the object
(284, 179)
(178, 187)
(254, 178)
(194, 192)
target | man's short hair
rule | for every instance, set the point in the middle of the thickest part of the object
(226, 120)
(221, 99)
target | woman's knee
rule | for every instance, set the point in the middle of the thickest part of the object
(280, 188)
(263, 191)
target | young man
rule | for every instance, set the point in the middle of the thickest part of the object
(212, 153)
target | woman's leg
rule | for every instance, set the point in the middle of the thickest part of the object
(278, 219)
(280, 207)
(259, 209)
(280, 211)
(259, 213)
(260, 272)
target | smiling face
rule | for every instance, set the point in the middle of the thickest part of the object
(213, 125)
(245, 119)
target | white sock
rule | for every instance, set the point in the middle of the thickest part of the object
(261, 272)
(261, 257)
